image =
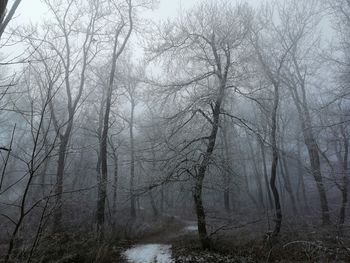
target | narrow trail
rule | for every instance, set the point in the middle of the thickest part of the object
(157, 248)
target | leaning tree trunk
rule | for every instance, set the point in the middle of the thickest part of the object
(3, 5)
(6, 18)
(316, 172)
(197, 195)
(311, 145)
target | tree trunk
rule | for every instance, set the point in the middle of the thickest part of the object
(132, 162)
(115, 186)
(3, 5)
(6, 18)
(278, 211)
(310, 142)
(153, 204)
(301, 183)
(316, 172)
(57, 223)
(246, 182)
(266, 179)
(203, 235)
(162, 199)
(257, 177)
(345, 185)
(287, 182)
(102, 185)
(202, 228)
(227, 172)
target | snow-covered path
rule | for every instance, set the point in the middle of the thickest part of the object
(156, 252)
(149, 253)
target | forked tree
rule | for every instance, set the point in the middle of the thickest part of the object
(201, 50)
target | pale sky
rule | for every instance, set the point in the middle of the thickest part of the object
(34, 10)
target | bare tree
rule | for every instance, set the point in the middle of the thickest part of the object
(74, 60)
(300, 20)
(125, 25)
(5, 17)
(37, 158)
(271, 61)
(206, 38)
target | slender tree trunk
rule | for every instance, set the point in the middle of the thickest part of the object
(246, 182)
(311, 144)
(153, 204)
(62, 154)
(115, 186)
(278, 211)
(162, 199)
(266, 179)
(202, 227)
(316, 172)
(227, 172)
(345, 185)
(257, 176)
(132, 162)
(287, 182)
(3, 5)
(6, 18)
(102, 185)
(99, 133)
(301, 183)
(197, 195)
(344, 201)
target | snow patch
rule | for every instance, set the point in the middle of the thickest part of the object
(191, 228)
(150, 253)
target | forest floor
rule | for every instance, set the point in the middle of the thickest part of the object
(171, 239)
(178, 243)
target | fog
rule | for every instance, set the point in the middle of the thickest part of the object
(166, 131)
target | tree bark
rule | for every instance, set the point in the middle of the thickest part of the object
(311, 144)
(345, 179)
(278, 211)
(132, 162)
(102, 186)
(266, 179)
(197, 195)
(287, 182)
(227, 172)
(257, 176)
(115, 185)
(301, 183)
(62, 154)
(5, 19)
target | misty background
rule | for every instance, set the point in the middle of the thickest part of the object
(174, 131)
